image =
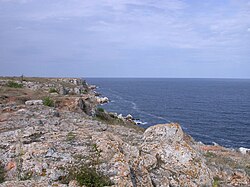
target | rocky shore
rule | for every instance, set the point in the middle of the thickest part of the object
(53, 133)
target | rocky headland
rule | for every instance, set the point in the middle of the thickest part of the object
(53, 133)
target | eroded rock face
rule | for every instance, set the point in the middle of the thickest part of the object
(170, 159)
(38, 144)
(119, 161)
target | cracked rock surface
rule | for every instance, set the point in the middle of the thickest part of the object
(39, 143)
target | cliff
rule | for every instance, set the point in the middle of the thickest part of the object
(53, 134)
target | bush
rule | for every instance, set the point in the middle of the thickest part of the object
(103, 116)
(216, 182)
(87, 176)
(70, 136)
(47, 101)
(2, 173)
(53, 90)
(100, 109)
(14, 84)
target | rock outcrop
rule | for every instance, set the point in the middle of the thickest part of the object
(41, 145)
(172, 160)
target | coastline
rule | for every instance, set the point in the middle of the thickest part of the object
(199, 106)
(40, 142)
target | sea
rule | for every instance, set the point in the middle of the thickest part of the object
(212, 111)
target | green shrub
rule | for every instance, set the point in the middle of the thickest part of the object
(209, 154)
(53, 90)
(100, 109)
(26, 175)
(216, 182)
(96, 155)
(87, 176)
(103, 116)
(14, 84)
(70, 136)
(2, 173)
(47, 101)
(84, 92)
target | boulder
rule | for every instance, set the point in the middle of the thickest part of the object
(119, 161)
(62, 91)
(170, 160)
(34, 102)
(102, 100)
(77, 90)
(244, 150)
(129, 117)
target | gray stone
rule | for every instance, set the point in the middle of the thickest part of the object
(34, 102)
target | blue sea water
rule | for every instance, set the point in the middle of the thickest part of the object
(210, 110)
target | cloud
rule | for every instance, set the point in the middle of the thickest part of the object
(118, 30)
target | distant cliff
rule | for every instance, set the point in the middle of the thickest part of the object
(54, 133)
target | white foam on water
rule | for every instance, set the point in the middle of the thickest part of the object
(138, 122)
(136, 108)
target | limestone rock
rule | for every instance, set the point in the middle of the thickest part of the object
(34, 102)
(40, 144)
(62, 91)
(244, 150)
(120, 161)
(169, 158)
(102, 100)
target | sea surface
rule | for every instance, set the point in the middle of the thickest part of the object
(210, 110)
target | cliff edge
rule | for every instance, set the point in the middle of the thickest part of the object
(53, 134)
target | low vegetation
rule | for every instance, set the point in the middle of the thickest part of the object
(216, 182)
(2, 173)
(14, 84)
(87, 174)
(100, 109)
(26, 175)
(70, 136)
(53, 90)
(209, 154)
(47, 101)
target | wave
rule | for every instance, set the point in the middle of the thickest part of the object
(138, 122)
(135, 107)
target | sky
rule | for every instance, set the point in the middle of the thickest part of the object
(125, 38)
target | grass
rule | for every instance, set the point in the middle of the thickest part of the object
(100, 109)
(12, 84)
(53, 90)
(216, 182)
(96, 155)
(26, 176)
(209, 154)
(47, 101)
(2, 173)
(70, 136)
(87, 176)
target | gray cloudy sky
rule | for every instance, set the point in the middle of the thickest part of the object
(125, 38)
